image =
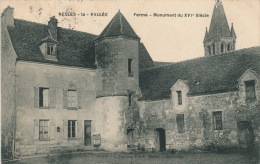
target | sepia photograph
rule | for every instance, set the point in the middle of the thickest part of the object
(130, 81)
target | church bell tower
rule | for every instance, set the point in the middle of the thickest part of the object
(219, 38)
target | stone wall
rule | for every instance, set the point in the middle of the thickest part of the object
(112, 56)
(57, 79)
(198, 117)
(8, 60)
(111, 121)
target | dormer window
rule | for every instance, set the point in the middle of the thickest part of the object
(51, 49)
(48, 47)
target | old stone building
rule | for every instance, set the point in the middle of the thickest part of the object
(65, 89)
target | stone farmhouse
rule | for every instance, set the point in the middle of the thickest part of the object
(65, 89)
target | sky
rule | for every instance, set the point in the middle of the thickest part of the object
(168, 39)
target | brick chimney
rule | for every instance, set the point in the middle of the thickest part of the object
(8, 16)
(53, 24)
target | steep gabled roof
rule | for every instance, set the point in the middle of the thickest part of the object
(145, 60)
(118, 26)
(218, 25)
(74, 48)
(205, 75)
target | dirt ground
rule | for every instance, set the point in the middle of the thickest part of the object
(145, 158)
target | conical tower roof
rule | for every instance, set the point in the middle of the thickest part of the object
(219, 25)
(118, 26)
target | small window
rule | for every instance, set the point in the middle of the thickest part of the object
(222, 47)
(130, 99)
(180, 123)
(130, 73)
(50, 50)
(250, 90)
(72, 99)
(209, 50)
(43, 97)
(43, 129)
(179, 97)
(72, 128)
(229, 47)
(217, 120)
(213, 48)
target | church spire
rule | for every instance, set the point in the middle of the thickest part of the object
(219, 38)
(219, 21)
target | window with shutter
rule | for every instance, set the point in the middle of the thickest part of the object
(250, 90)
(44, 97)
(217, 120)
(180, 123)
(72, 99)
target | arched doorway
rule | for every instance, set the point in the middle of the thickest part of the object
(246, 136)
(160, 139)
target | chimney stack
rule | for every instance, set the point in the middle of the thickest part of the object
(53, 24)
(8, 16)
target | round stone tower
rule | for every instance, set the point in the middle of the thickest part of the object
(117, 52)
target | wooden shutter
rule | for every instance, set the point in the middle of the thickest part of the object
(65, 129)
(65, 98)
(52, 129)
(36, 129)
(52, 97)
(36, 97)
(79, 129)
(79, 97)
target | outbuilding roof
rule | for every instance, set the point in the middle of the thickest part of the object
(205, 75)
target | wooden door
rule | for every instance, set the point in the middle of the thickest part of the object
(87, 132)
(245, 134)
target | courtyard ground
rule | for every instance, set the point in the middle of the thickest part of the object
(234, 157)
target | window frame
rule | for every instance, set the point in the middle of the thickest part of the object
(253, 86)
(209, 50)
(222, 48)
(216, 119)
(213, 49)
(70, 129)
(41, 98)
(69, 99)
(130, 67)
(130, 99)
(179, 97)
(52, 48)
(43, 130)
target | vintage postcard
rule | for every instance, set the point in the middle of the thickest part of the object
(130, 81)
